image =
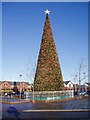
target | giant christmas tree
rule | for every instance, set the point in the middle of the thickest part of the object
(48, 75)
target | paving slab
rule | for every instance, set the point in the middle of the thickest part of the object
(72, 108)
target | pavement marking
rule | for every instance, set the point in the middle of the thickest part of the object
(71, 110)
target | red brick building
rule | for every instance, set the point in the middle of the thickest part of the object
(9, 86)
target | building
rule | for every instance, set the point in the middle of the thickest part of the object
(75, 87)
(68, 85)
(87, 86)
(84, 87)
(7, 86)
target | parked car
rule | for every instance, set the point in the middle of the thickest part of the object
(9, 94)
(88, 92)
(76, 93)
(6, 94)
(83, 93)
(22, 95)
(13, 93)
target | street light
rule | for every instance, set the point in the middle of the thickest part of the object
(75, 85)
(81, 79)
(20, 84)
(33, 91)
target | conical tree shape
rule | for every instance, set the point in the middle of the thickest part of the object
(48, 75)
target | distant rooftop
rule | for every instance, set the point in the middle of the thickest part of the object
(88, 83)
(66, 82)
(12, 82)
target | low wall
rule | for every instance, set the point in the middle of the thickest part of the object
(49, 95)
(65, 99)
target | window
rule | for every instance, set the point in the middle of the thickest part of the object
(5, 84)
(69, 85)
(23, 85)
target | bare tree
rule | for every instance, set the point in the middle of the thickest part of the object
(81, 74)
(30, 72)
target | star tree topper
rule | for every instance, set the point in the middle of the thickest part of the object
(47, 11)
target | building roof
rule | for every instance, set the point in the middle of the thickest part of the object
(88, 83)
(12, 83)
(66, 82)
(75, 84)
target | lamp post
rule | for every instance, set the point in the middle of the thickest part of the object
(33, 92)
(20, 84)
(75, 84)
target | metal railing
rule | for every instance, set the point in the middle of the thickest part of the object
(49, 95)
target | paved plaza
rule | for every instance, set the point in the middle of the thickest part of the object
(77, 108)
